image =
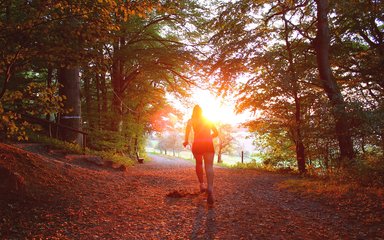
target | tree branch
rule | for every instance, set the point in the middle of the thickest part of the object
(8, 73)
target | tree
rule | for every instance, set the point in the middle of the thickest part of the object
(143, 50)
(275, 83)
(330, 85)
(38, 36)
(225, 140)
(244, 44)
(358, 44)
(60, 36)
(69, 81)
(144, 62)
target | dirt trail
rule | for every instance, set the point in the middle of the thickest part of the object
(105, 204)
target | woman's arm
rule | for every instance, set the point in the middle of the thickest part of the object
(187, 131)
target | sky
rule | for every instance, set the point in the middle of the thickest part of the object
(216, 109)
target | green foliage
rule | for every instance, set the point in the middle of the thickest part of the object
(75, 148)
(264, 167)
(369, 170)
(151, 61)
(250, 165)
(103, 140)
(274, 56)
(275, 149)
(70, 29)
(115, 157)
(67, 146)
(36, 100)
(84, 35)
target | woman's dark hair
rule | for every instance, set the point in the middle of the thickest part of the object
(197, 113)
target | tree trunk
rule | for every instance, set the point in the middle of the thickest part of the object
(70, 81)
(88, 100)
(98, 99)
(135, 147)
(326, 159)
(219, 153)
(363, 143)
(330, 86)
(49, 84)
(382, 139)
(117, 86)
(219, 160)
(8, 69)
(48, 115)
(104, 101)
(300, 150)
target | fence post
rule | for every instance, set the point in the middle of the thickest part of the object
(242, 156)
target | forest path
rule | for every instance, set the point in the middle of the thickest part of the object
(140, 204)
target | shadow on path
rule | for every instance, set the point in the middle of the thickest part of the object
(204, 224)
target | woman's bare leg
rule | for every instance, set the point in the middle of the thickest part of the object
(208, 164)
(199, 169)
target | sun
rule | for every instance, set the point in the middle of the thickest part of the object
(215, 109)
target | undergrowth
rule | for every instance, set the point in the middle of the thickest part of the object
(362, 177)
(75, 148)
(365, 175)
(329, 187)
(261, 166)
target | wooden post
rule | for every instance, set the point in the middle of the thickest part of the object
(242, 156)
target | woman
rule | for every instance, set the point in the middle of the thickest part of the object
(202, 148)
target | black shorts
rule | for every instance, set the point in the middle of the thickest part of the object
(202, 147)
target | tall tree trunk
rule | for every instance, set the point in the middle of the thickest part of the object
(117, 85)
(136, 146)
(88, 100)
(219, 153)
(70, 81)
(326, 157)
(98, 115)
(300, 150)
(104, 101)
(49, 84)
(8, 69)
(48, 115)
(382, 139)
(363, 143)
(330, 86)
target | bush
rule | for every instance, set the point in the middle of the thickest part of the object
(35, 99)
(104, 140)
(251, 165)
(74, 148)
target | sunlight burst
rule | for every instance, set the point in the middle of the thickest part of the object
(216, 110)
